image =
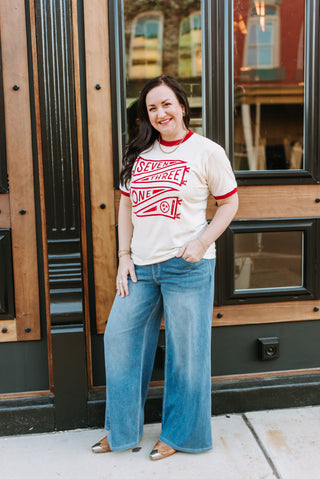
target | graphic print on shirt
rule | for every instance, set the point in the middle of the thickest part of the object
(155, 187)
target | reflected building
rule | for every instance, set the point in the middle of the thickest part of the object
(269, 84)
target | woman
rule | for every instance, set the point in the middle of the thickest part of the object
(166, 266)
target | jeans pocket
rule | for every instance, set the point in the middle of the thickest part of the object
(190, 264)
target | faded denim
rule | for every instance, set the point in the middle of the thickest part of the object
(183, 291)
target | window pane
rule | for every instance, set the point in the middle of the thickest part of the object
(264, 56)
(160, 40)
(268, 260)
(265, 35)
(252, 58)
(253, 34)
(269, 85)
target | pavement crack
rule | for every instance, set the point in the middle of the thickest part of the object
(261, 446)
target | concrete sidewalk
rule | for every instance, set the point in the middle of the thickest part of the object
(257, 445)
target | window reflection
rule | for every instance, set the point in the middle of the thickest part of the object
(268, 260)
(163, 38)
(190, 58)
(262, 40)
(146, 46)
(268, 81)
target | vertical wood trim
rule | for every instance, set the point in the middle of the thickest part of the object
(41, 187)
(4, 211)
(20, 167)
(100, 156)
(83, 230)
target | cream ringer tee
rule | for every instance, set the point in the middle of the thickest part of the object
(169, 195)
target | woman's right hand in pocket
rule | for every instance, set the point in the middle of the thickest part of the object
(125, 268)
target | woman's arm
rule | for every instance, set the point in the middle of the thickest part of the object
(125, 230)
(195, 250)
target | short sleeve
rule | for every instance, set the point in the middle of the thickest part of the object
(220, 177)
(124, 190)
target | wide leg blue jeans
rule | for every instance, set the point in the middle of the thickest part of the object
(183, 291)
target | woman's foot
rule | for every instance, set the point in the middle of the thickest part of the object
(160, 451)
(101, 446)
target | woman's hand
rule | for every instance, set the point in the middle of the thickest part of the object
(126, 267)
(192, 251)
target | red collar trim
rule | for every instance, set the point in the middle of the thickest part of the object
(175, 142)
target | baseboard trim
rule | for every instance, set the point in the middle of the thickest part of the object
(31, 415)
(263, 393)
(231, 396)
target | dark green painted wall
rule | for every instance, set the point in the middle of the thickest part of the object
(235, 349)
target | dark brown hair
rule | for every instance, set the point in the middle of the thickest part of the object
(147, 135)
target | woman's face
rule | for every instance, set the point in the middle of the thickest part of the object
(166, 113)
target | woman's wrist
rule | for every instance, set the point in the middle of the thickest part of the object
(203, 244)
(124, 252)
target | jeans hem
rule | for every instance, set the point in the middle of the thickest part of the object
(123, 448)
(185, 449)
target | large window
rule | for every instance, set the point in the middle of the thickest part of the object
(269, 85)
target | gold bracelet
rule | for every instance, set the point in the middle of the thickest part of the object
(123, 252)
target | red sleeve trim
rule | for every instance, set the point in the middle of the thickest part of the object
(226, 195)
(124, 193)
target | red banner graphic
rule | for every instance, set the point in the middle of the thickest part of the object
(141, 195)
(164, 207)
(143, 166)
(170, 175)
(154, 179)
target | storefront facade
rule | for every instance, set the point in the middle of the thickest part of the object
(71, 71)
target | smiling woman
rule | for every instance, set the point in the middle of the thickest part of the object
(165, 248)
